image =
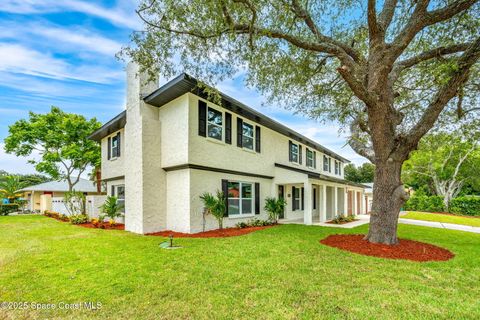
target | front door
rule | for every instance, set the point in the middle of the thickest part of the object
(281, 194)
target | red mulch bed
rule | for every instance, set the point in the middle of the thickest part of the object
(406, 249)
(343, 222)
(227, 232)
(105, 225)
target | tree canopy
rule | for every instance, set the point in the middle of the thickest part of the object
(388, 70)
(361, 174)
(61, 139)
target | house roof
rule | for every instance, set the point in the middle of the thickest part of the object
(185, 83)
(83, 185)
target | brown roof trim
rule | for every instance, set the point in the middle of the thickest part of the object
(212, 169)
(110, 127)
(316, 175)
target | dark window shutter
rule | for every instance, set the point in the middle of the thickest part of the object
(225, 194)
(300, 154)
(290, 158)
(314, 159)
(113, 191)
(202, 118)
(109, 147)
(257, 139)
(257, 198)
(293, 199)
(303, 197)
(118, 144)
(329, 164)
(239, 132)
(228, 128)
(314, 199)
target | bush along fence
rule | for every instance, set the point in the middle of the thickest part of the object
(466, 205)
(7, 208)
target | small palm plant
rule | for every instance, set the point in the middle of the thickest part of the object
(274, 207)
(112, 209)
(215, 205)
(9, 187)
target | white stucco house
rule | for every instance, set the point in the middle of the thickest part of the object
(172, 144)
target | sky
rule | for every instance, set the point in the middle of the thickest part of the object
(62, 53)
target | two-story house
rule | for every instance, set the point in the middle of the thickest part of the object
(172, 144)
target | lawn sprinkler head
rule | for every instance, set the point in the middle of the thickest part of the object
(171, 240)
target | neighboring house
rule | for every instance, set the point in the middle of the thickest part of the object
(368, 196)
(49, 195)
(172, 144)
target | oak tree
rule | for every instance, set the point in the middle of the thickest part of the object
(386, 70)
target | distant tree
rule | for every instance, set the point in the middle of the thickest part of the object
(387, 70)
(61, 139)
(363, 174)
(33, 179)
(445, 162)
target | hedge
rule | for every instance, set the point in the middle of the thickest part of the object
(5, 209)
(468, 205)
(425, 203)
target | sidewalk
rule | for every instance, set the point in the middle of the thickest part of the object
(440, 225)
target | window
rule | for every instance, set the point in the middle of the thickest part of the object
(114, 146)
(337, 165)
(293, 152)
(247, 136)
(240, 198)
(119, 192)
(214, 124)
(310, 158)
(325, 164)
(296, 198)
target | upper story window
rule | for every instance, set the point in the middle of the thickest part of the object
(294, 152)
(311, 159)
(326, 163)
(337, 166)
(247, 136)
(114, 146)
(214, 124)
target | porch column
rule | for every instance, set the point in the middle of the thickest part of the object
(363, 210)
(345, 201)
(323, 205)
(335, 201)
(32, 203)
(307, 210)
(354, 211)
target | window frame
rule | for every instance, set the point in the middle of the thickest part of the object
(299, 198)
(114, 150)
(221, 126)
(326, 164)
(119, 200)
(240, 199)
(297, 153)
(311, 160)
(252, 137)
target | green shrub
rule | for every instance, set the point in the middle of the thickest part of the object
(78, 218)
(343, 219)
(241, 225)
(6, 209)
(274, 208)
(425, 203)
(254, 223)
(467, 205)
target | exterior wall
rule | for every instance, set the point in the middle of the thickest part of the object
(114, 167)
(274, 148)
(45, 202)
(206, 181)
(178, 203)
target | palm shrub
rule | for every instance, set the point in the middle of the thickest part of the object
(274, 208)
(9, 186)
(215, 205)
(111, 208)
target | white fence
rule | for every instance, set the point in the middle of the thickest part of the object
(59, 205)
(92, 205)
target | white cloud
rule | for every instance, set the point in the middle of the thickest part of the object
(19, 59)
(120, 16)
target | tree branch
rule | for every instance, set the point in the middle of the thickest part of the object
(372, 21)
(386, 16)
(443, 96)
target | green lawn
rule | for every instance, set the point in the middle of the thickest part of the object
(467, 221)
(278, 273)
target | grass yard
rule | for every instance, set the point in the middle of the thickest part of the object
(467, 221)
(277, 273)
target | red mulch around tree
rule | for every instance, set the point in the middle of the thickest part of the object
(406, 249)
(223, 233)
(105, 225)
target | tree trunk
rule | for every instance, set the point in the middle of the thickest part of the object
(388, 197)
